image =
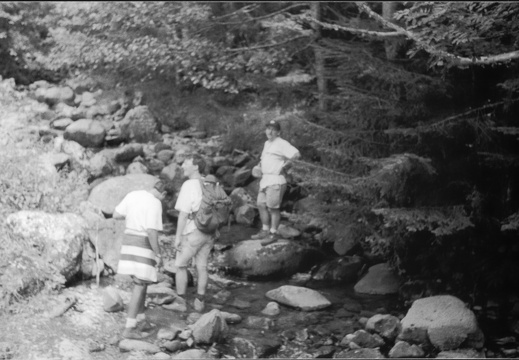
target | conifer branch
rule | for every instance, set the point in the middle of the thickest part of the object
(457, 60)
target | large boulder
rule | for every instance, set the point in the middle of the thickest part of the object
(252, 259)
(140, 125)
(299, 297)
(88, 133)
(60, 237)
(443, 320)
(380, 280)
(108, 194)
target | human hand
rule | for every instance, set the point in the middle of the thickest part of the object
(160, 263)
(256, 171)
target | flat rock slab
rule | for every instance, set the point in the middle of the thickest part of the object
(299, 297)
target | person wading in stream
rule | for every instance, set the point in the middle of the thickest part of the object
(140, 251)
(190, 242)
(275, 160)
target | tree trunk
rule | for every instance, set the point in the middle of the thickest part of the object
(392, 46)
(319, 59)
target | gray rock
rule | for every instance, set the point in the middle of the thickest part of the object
(271, 309)
(137, 168)
(138, 345)
(209, 328)
(140, 125)
(231, 318)
(54, 94)
(363, 339)
(108, 194)
(60, 237)
(129, 152)
(250, 346)
(252, 259)
(171, 172)
(344, 270)
(288, 232)
(403, 349)
(387, 326)
(445, 319)
(165, 155)
(79, 156)
(99, 166)
(88, 133)
(299, 297)
(380, 280)
(61, 124)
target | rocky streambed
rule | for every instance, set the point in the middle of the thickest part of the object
(344, 307)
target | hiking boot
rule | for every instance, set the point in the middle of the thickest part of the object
(270, 239)
(134, 333)
(261, 235)
(179, 305)
(145, 325)
(198, 305)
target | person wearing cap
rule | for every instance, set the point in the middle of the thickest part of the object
(275, 160)
(140, 251)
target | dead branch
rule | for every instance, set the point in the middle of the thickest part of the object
(267, 45)
(63, 307)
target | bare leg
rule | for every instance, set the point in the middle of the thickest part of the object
(276, 218)
(202, 279)
(264, 214)
(138, 295)
(143, 300)
(181, 280)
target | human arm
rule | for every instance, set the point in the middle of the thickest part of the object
(153, 236)
(181, 224)
(289, 161)
(118, 216)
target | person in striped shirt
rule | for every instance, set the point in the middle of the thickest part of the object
(140, 251)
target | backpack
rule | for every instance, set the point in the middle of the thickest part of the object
(215, 207)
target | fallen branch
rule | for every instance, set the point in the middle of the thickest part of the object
(63, 307)
(267, 45)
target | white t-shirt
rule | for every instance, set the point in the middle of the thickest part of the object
(142, 211)
(188, 201)
(275, 154)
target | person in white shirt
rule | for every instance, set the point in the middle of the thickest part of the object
(140, 251)
(275, 160)
(189, 241)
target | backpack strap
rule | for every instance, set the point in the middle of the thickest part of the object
(192, 214)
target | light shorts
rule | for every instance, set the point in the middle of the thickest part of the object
(272, 195)
(196, 245)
